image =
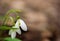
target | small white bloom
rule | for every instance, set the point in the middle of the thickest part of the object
(16, 29)
(23, 25)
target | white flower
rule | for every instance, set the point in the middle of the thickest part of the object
(16, 29)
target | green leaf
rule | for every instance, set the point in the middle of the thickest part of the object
(5, 28)
(10, 39)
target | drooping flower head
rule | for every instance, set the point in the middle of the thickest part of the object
(19, 23)
(15, 23)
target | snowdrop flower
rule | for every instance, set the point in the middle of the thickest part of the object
(16, 28)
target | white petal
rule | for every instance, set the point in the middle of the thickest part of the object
(13, 35)
(17, 24)
(23, 25)
(18, 31)
(10, 32)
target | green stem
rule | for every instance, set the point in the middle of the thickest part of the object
(10, 12)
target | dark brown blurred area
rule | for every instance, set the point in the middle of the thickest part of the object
(41, 16)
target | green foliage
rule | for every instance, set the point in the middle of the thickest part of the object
(10, 39)
(8, 18)
(15, 11)
(5, 28)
